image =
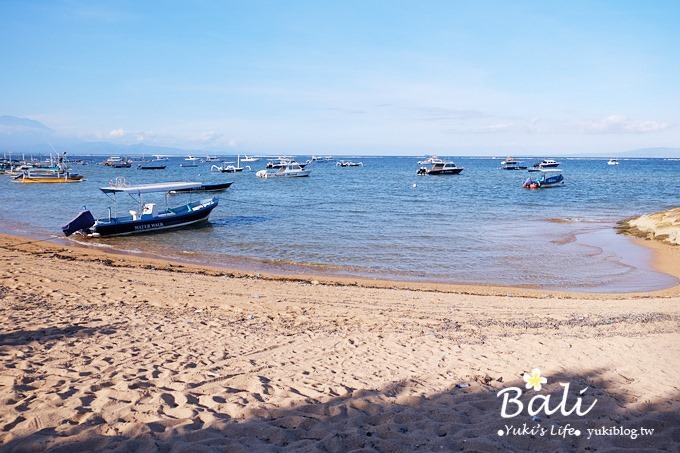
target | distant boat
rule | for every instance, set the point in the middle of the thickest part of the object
(292, 169)
(283, 161)
(55, 175)
(229, 167)
(431, 159)
(118, 162)
(549, 177)
(347, 163)
(440, 167)
(247, 158)
(148, 218)
(511, 164)
(612, 162)
(153, 165)
(547, 163)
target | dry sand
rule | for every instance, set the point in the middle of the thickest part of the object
(115, 352)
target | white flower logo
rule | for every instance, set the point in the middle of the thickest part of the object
(534, 380)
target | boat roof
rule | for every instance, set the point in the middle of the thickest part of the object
(150, 188)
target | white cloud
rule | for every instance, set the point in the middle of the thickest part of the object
(117, 133)
(620, 124)
(498, 127)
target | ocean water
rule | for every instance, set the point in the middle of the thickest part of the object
(384, 221)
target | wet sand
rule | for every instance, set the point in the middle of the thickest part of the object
(106, 351)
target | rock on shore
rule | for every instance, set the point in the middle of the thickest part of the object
(663, 226)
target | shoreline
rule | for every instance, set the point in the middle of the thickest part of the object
(666, 259)
(106, 351)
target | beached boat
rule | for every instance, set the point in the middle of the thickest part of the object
(291, 170)
(511, 164)
(549, 177)
(440, 167)
(148, 218)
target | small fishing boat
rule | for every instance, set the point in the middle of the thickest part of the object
(151, 166)
(613, 162)
(148, 218)
(247, 158)
(549, 177)
(54, 177)
(229, 167)
(322, 158)
(440, 167)
(347, 163)
(291, 170)
(219, 187)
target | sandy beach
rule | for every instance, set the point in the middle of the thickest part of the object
(104, 351)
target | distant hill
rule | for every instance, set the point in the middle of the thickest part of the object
(17, 132)
(115, 149)
(651, 152)
(13, 124)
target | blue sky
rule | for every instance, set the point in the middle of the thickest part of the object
(348, 77)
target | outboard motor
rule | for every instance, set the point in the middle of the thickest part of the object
(82, 221)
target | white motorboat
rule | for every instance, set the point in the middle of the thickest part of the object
(440, 167)
(291, 169)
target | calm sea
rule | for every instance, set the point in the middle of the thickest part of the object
(383, 221)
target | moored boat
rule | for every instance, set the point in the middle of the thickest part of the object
(56, 177)
(218, 187)
(291, 170)
(348, 163)
(148, 218)
(549, 177)
(545, 163)
(440, 167)
(510, 163)
(153, 165)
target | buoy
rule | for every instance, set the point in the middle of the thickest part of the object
(414, 185)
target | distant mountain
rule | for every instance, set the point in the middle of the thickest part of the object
(16, 132)
(31, 137)
(13, 124)
(651, 152)
(115, 149)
